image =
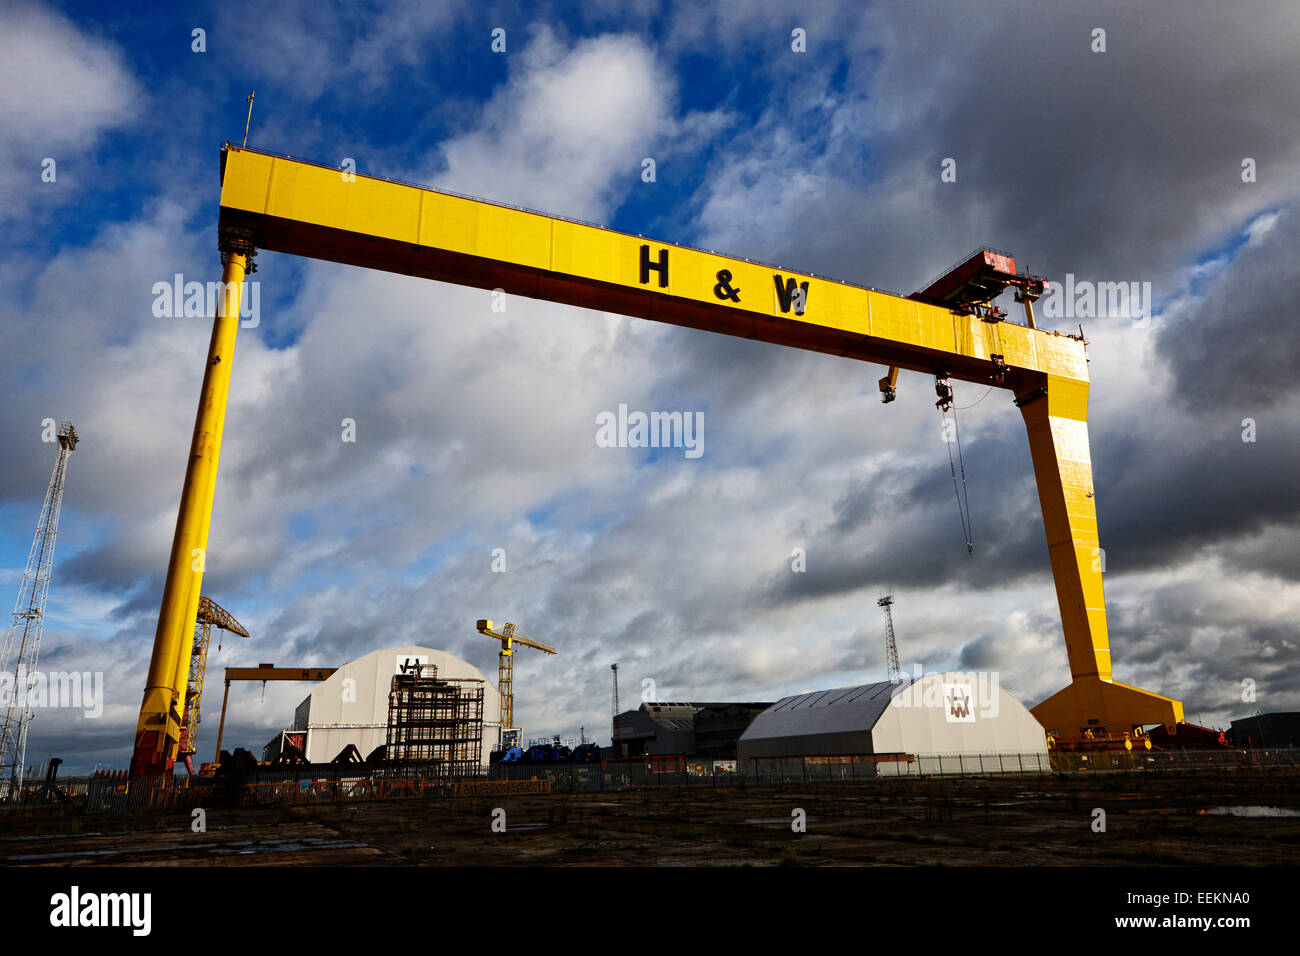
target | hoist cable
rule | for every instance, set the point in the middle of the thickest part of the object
(960, 491)
(978, 400)
(970, 520)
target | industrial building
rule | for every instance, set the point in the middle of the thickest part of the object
(707, 730)
(1267, 730)
(891, 725)
(352, 705)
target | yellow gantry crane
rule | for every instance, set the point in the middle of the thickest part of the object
(210, 615)
(948, 330)
(509, 636)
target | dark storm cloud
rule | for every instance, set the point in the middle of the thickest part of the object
(903, 526)
(1117, 165)
(1197, 485)
(1214, 647)
(104, 567)
(1238, 346)
(1165, 494)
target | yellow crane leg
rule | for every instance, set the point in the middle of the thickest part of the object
(159, 727)
(1056, 421)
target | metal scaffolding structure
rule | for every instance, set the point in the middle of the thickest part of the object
(435, 727)
(23, 639)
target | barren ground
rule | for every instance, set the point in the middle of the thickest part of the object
(1012, 821)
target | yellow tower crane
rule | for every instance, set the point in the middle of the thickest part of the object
(210, 615)
(509, 636)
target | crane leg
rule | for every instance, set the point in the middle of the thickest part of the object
(1056, 420)
(158, 728)
(221, 728)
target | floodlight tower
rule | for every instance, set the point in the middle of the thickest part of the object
(891, 645)
(23, 639)
(614, 710)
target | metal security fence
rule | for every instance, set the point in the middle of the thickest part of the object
(942, 764)
(115, 792)
(851, 767)
(563, 778)
(1161, 760)
(690, 772)
(794, 769)
(110, 792)
(35, 792)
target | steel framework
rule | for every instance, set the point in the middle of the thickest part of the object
(891, 645)
(613, 704)
(435, 727)
(23, 639)
(211, 614)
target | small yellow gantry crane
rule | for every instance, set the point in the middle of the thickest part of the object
(509, 636)
(211, 614)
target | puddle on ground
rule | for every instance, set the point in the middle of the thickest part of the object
(48, 836)
(245, 847)
(761, 821)
(1251, 812)
(239, 847)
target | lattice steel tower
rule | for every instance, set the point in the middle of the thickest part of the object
(891, 646)
(614, 708)
(23, 639)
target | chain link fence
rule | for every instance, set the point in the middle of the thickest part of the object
(113, 791)
(691, 772)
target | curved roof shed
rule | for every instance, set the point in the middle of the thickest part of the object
(947, 713)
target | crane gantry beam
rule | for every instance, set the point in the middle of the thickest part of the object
(299, 208)
(265, 673)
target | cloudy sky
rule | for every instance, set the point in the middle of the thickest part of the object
(476, 428)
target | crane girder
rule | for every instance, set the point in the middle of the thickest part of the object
(210, 612)
(210, 615)
(285, 205)
(509, 634)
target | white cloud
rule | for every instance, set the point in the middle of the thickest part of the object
(568, 132)
(1260, 227)
(63, 89)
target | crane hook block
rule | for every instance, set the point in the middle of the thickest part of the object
(944, 391)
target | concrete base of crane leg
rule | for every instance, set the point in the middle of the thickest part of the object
(1093, 707)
